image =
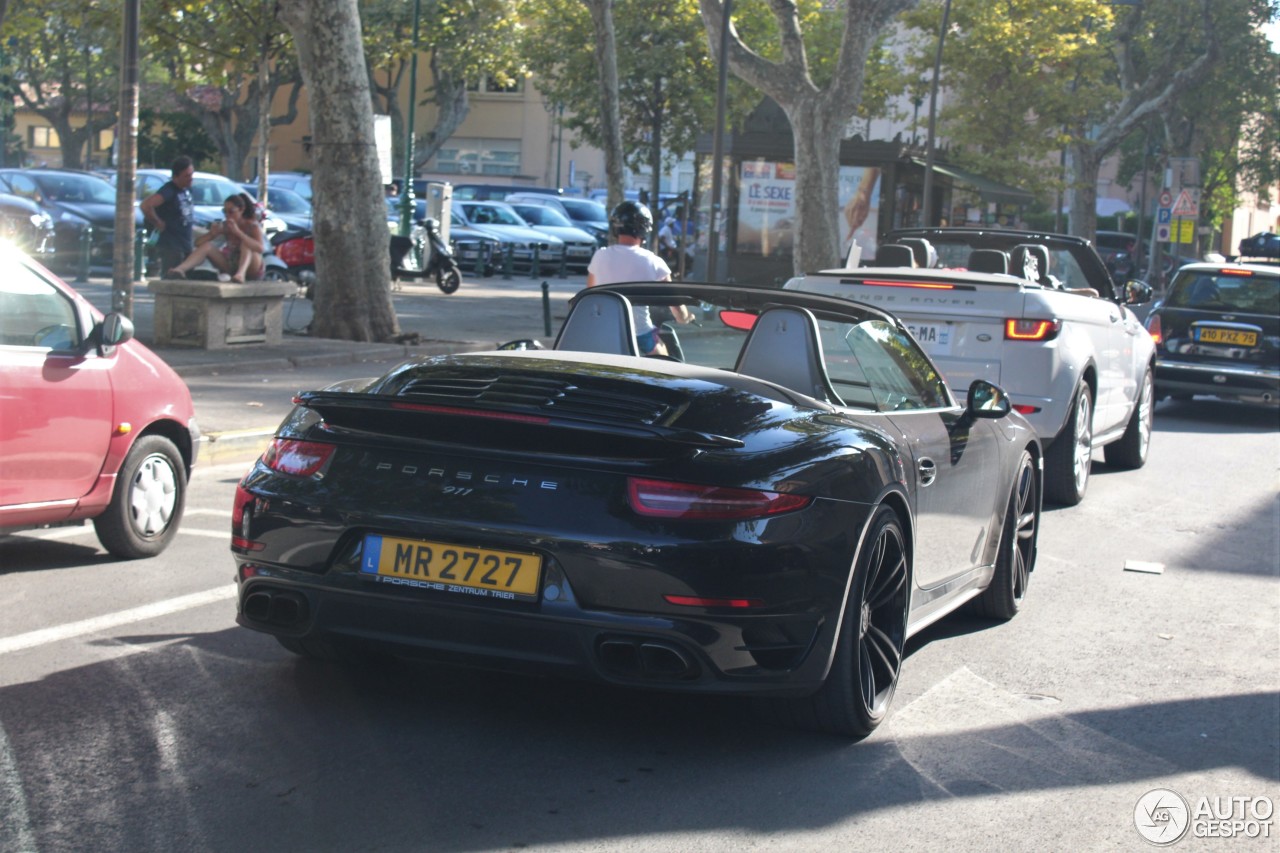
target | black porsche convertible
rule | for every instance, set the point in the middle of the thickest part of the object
(770, 510)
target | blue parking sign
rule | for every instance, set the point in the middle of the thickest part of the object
(1164, 215)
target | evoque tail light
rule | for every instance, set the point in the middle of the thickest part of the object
(1031, 330)
(1154, 328)
(665, 499)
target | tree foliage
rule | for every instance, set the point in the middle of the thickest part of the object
(818, 90)
(666, 80)
(462, 41)
(64, 57)
(1029, 77)
(216, 57)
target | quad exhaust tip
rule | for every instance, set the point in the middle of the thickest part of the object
(280, 608)
(644, 658)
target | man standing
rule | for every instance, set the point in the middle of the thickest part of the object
(170, 212)
(628, 260)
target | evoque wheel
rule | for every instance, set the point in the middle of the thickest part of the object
(864, 672)
(1069, 457)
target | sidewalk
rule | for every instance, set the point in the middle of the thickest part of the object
(242, 394)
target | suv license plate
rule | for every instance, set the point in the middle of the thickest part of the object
(935, 338)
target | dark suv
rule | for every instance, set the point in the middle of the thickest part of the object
(76, 201)
(1122, 252)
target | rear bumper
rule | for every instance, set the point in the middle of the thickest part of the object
(775, 654)
(1248, 384)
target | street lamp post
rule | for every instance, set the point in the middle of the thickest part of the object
(933, 119)
(406, 192)
(717, 148)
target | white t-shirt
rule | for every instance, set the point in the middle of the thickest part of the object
(618, 263)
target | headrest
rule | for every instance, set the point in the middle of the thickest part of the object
(600, 321)
(922, 250)
(785, 347)
(1031, 261)
(989, 260)
(895, 255)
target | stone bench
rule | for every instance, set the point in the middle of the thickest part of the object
(219, 315)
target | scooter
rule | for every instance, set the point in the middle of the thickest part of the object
(406, 251)
(297, 250)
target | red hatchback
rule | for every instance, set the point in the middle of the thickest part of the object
(93, 425)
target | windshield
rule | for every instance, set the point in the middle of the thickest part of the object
(1240, 290)
(543, 216)
(286, 201)
(211, 191)
(483, 214)
(1062, 264)
(76, 188)
(580, 210)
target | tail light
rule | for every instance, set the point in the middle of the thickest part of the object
(664, 499)
(1154, 328)
(298, 458)
(1031, 330)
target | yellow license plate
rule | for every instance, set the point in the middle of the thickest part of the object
(424, 564)
(1234, 337)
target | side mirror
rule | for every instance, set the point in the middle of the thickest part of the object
(1137, 292)
(987, 400)
(115, 329)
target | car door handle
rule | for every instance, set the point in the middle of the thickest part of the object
(927, 471)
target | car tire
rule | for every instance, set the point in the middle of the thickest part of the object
(275, 274)
(1067, 462)
(869, 646)
(1130, 452)
(146, 506)
(1017, 555)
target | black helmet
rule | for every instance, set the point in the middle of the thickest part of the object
(631, 218)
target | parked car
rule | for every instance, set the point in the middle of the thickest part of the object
(579, 245)
(76, 201)
(1217, 333)
(209, 191)
(299, 182)
(93, 425)
(776, 529)
(1123, 254)
(498, 219)
(291, 209)
(1039, 315)
(473, 249)
(25, 225)
(1264, 244)
(590, 216)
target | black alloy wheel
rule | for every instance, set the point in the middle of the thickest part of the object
(1017, 555)
(864, 673)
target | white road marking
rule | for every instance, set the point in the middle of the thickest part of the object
(87, 530)
(57, 633)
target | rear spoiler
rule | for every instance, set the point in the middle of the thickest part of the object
(395, 415)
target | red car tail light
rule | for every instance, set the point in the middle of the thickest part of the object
(665, 499)
(1154, 328)
(299, 458)
(926, 285)
(1031, 330)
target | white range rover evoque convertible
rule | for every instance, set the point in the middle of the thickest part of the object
(1035, 313)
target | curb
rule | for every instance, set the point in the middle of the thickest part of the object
(340, 355)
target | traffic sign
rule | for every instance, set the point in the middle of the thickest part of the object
(1164, 215)
(1166, 198)
(1162, 233)
(1187, 205)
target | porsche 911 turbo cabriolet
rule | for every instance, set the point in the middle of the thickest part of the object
(770, 510)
